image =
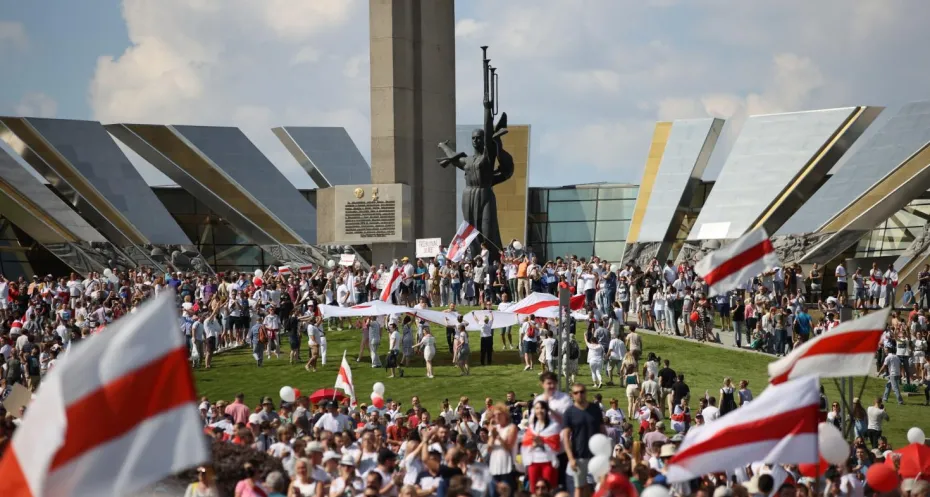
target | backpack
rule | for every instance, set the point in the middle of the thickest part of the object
(531, 332)
(262, 335)
(574, 352)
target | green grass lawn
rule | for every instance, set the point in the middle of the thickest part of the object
(704, 368)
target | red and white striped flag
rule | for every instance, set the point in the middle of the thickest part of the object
(344, 379)
(460, 242)
(538, 301)
(117, 414)
(778, 427)
(392, 284)
(732, 266)
(286, 270)
(847, 350)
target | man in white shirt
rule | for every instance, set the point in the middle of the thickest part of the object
(892, 366)
(487, 337)
(841, 282)
(669, 273)
(558, 401)
(651, 386)
(711, 412)
(333, 421)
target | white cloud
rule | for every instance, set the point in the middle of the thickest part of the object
(36, 104)
(469, 28)
(13, 36)
(241, 63)
(305, 55)
(590, 76)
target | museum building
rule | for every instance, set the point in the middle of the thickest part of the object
(835, 185)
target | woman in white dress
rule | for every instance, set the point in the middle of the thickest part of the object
(428, 344)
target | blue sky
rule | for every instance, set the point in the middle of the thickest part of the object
(591, 76)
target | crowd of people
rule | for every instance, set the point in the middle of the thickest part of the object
(506, 447)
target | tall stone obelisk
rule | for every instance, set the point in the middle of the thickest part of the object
(412, 45)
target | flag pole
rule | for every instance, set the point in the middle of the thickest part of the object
(337, 374)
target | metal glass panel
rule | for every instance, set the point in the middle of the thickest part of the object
(558, 194)
(572, 211)
(769, 152)
(610, 251)
(611, 230)
(685, 158)
(617, 192)
(554, 250)
(88, 147)
(900, 137)
(242, 161)
(330, 151)
(571, 232)
(615, 209)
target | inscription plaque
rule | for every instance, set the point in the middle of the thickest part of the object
(371, 219)
(363, 214)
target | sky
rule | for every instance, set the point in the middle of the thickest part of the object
(590, 76)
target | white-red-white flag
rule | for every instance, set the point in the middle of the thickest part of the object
(460, 242)
(392, 284)
(778, 427)
(538, 301)
(732, 266)
(847, 350)
(117, 414)
(344, 379)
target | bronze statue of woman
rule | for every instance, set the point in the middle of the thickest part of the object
(479, 205)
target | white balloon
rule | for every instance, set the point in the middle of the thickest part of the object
(833, 447)
(916, 436)
(331, 264)
(107, 272)
(375, 395)
(287, 394)
(599, 466)
(654, 491)
(600, 445)
(378, 388)
(517, 246)
(258, 273)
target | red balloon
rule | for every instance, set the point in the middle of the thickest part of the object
(296, 393)
(257, 281)
(814, 470)
(378, 402)
(881, 478)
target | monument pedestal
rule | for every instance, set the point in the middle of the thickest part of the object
(375, 215)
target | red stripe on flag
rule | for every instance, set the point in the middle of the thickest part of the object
(119, 406)
(850, 343)
(739, 261)
(795, 422)
(12, 479)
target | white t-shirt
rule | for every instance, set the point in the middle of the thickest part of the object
(342, 295)
(614, 416)
(587, 281)
(893, 364)
(212, 327)
(710, 413)
(840, 274)
(486, 330)
(616, 349)
(549, 345)
(876, 417)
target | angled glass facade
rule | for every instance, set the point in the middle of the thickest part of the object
(581, 220)
(894, 236)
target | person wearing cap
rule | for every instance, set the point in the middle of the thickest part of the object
(348, 480)
(268, 413)
(333, 421)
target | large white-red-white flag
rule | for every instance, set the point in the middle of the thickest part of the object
(778, 427)
(117, 414)
(460, 242)
(847, 350)
(344, 379)
(732, 266)
(392, 284)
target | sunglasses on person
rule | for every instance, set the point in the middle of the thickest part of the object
(578, 392)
